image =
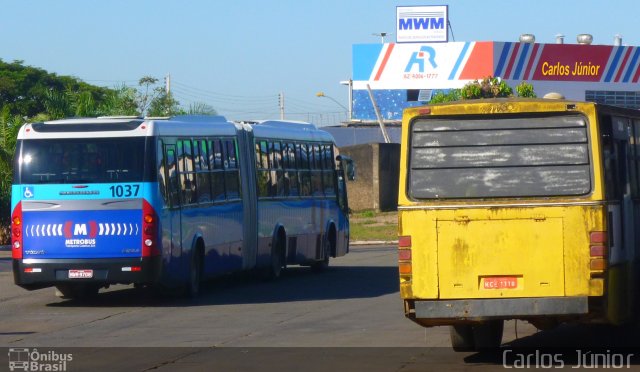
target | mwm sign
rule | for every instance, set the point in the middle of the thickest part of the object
(420, 24)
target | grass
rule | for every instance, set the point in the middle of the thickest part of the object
(371, 225)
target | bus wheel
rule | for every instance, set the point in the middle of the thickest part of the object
(488, 335)
(323, 264)
(462, 337)
(277, 261)
(76, 290)
(195, 275)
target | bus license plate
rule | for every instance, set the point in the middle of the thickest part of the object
(501, 282)
(80, 274)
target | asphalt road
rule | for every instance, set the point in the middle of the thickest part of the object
(349, 317)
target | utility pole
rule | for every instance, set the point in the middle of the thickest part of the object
(385, 135)
(281, 104)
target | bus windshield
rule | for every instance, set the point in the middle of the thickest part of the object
(86, 160)
(499, 156)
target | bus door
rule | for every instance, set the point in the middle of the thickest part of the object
(172, 232)
(618, 156)
(345, 169)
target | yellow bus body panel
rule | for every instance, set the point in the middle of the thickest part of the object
(501, 248)
(501, 252)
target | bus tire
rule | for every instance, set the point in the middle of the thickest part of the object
(462, 337)
(488, 335)
(274, 270)
(195, 274)
(322, 265)
(76, 291)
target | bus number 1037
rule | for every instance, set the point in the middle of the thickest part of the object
(126, 191)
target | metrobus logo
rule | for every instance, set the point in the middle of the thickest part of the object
(421, 23)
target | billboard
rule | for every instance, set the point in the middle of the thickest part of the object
(420, 66)
(421, 24)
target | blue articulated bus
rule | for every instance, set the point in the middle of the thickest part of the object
(171, 202)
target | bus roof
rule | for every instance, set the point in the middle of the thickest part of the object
(502, 106)
(290, 130)
(188, 125)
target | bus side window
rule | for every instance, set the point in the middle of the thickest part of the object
(186, 170)
(172, 177)
(217, 171)
(291, 170)
(328, 172)
(232, 174)
(316, 173)
(262, 175)
(203, 181)
(162, 184)
(609, 158)
(303, 173)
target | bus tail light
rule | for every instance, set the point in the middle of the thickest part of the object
(404, 255)
(16, 232)
(149, 230)
(597, 250)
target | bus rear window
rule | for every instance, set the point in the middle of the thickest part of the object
(499, 156)
(82, 160)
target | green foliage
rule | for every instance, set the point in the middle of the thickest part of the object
(164, 105)
(442, 97)
(489, 87)
(367, 214)
(120, 101)
(9, 126)
(24, 89)
(525, 89)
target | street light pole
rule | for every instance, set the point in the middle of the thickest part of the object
(382, 35)
(321, 94)
(349, 83)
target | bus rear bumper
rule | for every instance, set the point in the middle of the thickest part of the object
(41, 273)
(502, 308)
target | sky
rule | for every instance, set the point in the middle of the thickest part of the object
(238, 56)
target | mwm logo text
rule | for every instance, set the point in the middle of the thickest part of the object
(421, 21)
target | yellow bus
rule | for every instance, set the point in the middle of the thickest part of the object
(518, 209)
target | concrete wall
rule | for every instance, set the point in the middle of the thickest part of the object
(377, 172)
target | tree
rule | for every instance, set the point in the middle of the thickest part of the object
(165, 105)
(146, 93)
(120, 101)
(200, 108)
(9, 126)
(24, 89)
